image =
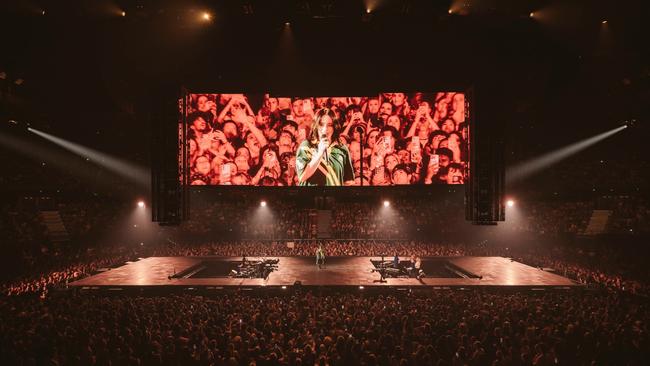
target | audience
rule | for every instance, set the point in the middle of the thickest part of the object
(338, 328)
(606, 323)
(442, 327)
(405, 219)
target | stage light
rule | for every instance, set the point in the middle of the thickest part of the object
(367, 11)
(43, 12)
(284, 287)
(287, 24)
(510, 203)
(123, 13)
(532, 14)
(206, 16)
(604, 22)
(361, 287)
(263, 203)
(141, 204)
(450, 11)
(386, 203)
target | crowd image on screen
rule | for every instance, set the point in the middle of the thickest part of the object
(392, 138)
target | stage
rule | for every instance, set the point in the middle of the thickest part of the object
(450, 272)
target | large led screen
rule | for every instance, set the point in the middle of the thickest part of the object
(378, 140)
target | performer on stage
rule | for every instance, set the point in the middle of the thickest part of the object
(418, 267)
(412, 270)
(321, 160)
(320, 257)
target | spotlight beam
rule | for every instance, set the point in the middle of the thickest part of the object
(128, 170)
(53, 157)
(532, 166)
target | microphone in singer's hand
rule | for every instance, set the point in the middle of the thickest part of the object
(324, 137)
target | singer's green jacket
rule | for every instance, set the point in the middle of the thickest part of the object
(334, 171)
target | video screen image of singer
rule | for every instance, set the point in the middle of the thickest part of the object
(386, 139)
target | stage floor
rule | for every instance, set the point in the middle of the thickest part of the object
(339, 271)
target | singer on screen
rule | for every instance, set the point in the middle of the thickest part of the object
(321, 160)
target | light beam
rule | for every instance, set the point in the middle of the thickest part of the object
(123, 168)
(533, 166)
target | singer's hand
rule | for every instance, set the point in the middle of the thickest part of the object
(322, 146)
